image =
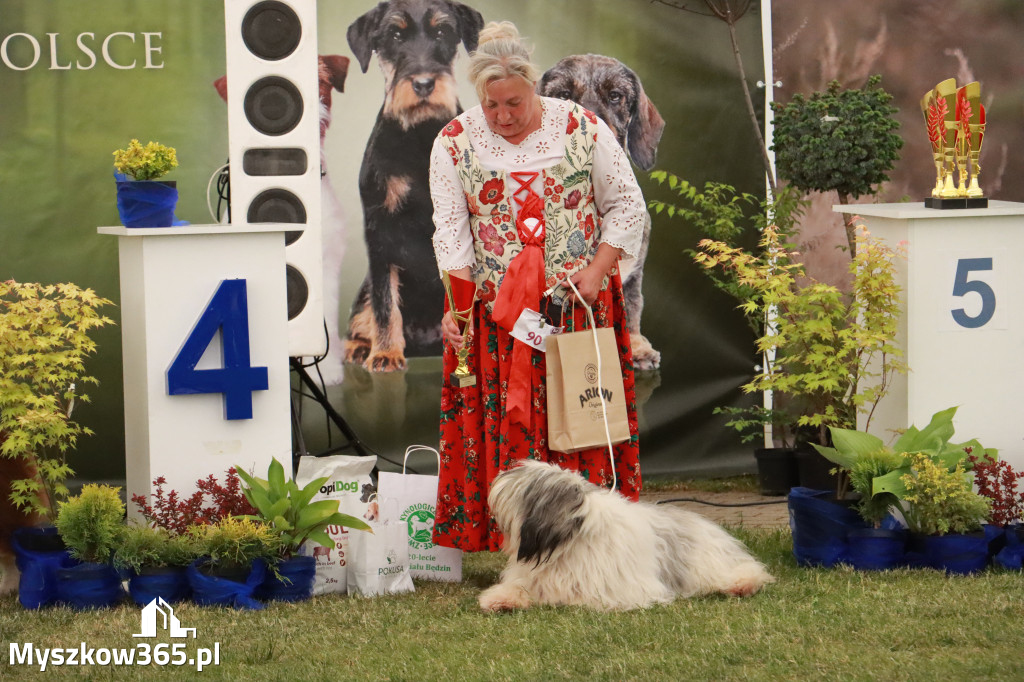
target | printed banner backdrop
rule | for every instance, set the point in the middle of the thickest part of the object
(83, 78)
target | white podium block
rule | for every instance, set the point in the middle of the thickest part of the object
(171, 279)
(962, 330)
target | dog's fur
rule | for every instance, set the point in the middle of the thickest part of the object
(570, 542)
(12, 518)
(613, 91)
(398, 308)
(331, 71)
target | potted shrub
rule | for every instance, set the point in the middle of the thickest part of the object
(91, 525)
(45, 340)
(209, 503)
(884, 472)
(946, 515)
(841, 140)
(234, 557)
(834, 354)
(156, 560)
(720, 213)
(882, 543)
(142, 199)
(999, 483)
(288, 510)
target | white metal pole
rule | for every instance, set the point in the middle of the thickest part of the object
(769, 86)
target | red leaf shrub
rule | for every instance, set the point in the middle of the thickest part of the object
(174, 514)
(997, 481)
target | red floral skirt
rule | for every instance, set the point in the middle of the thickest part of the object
(478, 442)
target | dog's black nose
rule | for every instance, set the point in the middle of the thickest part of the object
(423, 86)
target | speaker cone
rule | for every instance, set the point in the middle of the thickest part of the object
(273, 105)
(298, 292)
(276, 206)
(271, 30)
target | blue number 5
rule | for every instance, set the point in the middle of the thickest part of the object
(962, 287)
(228, 311)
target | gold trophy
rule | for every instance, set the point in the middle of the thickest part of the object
(976, 128)
(946, 91)
(955, 122)
(933, 108)
(461, 294)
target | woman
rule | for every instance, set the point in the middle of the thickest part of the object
(528, 191)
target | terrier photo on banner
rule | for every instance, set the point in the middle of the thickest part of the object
(397, 311)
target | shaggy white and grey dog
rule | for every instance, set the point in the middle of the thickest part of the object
(571, 542)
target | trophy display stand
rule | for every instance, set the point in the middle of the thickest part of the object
(962, 329)
(204, 334)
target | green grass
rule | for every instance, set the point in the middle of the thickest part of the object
(812, 624)
(741, 484)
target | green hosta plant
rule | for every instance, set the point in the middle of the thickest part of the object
(144, 547)
(92, 523)
(145, 163)
(880, 472)
(941, 501)
(45, 338)
(288, 509)
(835, 354)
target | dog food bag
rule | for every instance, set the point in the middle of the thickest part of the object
(349, 482)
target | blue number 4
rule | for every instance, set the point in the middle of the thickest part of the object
(228, 311)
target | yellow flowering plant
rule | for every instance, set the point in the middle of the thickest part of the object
(940, 500)
(145, 162)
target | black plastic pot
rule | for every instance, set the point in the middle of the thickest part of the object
(814, 470)
(776, 470)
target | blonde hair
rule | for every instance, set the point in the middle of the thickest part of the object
(500, 53)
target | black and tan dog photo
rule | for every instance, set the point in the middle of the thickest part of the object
(397, 311)
(612, 90)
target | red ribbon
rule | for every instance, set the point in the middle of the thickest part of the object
(521, 288)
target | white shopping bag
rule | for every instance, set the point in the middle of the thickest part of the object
(379, 561)
(416, 495)
(349, 482)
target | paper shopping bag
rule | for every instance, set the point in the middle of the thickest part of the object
(416, 495)
(379, 561)
(584, 384)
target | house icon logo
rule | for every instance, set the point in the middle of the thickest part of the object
(169, 620)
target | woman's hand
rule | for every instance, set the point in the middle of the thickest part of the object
(588, 283)
(450, 330)
(589, 279)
